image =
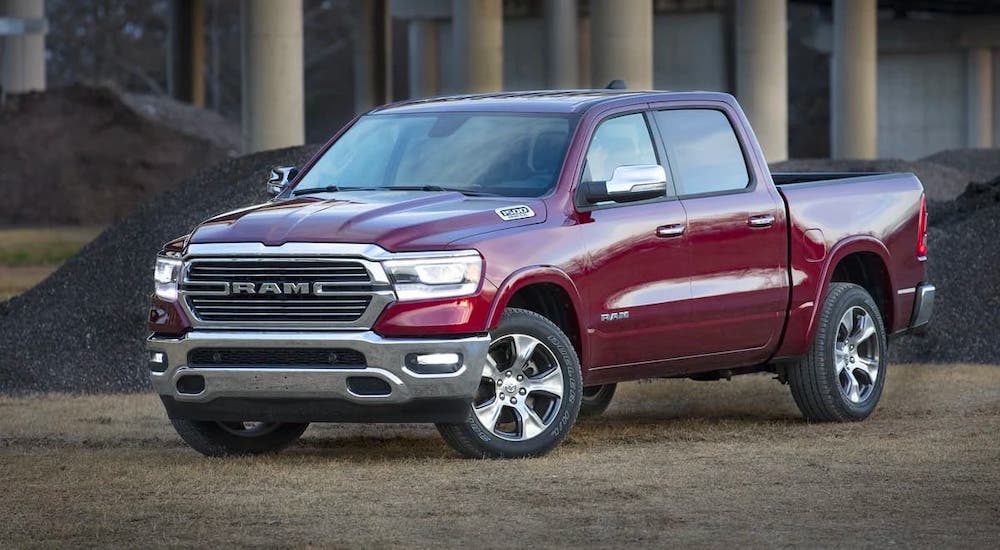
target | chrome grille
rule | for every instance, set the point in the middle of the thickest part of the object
(317, 292)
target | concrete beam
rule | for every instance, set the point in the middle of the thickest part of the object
(273, 115)
(979, 85)
(22, 67)
(621, 42)
(853, 80)
(424, 58)
(477, 29)
(762, 72)
(561, 32)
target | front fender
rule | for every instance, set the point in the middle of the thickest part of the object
(529, 276)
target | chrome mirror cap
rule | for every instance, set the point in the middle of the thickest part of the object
(280, 177)
(640, 178)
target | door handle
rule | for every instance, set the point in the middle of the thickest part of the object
(764, 220)
(667, 231)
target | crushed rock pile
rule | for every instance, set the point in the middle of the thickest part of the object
(83, 328)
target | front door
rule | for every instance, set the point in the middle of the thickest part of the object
(635, 287)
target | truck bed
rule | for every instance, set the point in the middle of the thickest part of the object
(797, 178)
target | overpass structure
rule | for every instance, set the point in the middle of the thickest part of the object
(889, 60)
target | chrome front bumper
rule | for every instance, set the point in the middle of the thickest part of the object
(259, 386)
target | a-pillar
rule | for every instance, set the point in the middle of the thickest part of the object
(23, 56)
(561, 33)
(853, 128)
(621, 42)
(424, 58)
(477, 27)
(762, 72)
(980, 97)
(273, 114)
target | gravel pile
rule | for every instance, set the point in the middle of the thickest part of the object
(81, 155)
(964, 265)
(82, 329)
(941, 183)
(980, 164)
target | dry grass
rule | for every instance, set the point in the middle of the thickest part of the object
(674, 463)
(28, 255)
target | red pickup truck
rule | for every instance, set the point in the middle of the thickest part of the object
(495, 264)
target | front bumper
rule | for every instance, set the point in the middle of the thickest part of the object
(923, 305)
(315, 393)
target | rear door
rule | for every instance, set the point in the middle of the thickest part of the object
(736, 234)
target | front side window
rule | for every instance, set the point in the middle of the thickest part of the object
(703, 151)
(620, 141)
(514, 155)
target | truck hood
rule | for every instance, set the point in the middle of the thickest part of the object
(394, 220)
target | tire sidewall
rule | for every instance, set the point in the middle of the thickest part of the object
(520, 322)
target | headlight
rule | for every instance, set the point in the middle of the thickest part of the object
(166, 275)
(428, 278)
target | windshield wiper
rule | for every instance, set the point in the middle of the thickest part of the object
(327, 189)
(437, 188)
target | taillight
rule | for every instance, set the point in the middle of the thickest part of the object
(922, 229)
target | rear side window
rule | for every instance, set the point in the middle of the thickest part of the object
(620, 141)
(703, 151)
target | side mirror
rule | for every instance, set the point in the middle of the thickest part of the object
(281, 176)
(627, 184)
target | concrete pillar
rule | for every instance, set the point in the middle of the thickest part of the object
(583, 61)
(853, 80)
(621, 42)
(425, 58)
(979, 85)
(23, 56)
(561, 33)
(477, 27)
(186, 51)
(762, 72)
(273, 114)
(372, 55)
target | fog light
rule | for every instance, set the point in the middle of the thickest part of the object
(157, 361)
(434, 363)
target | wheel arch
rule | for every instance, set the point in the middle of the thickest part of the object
(548, 291)
(864, 261)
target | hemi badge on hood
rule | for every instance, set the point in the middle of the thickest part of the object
(518, 212)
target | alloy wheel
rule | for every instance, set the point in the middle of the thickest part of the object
(521, 389)
(856, 354)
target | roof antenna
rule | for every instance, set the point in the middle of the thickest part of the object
(616, 84)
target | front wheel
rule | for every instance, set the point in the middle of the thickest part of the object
(237, 438)
(529, 394)
(842, 377)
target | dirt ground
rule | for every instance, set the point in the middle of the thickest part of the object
(30, 254)
(672, 463)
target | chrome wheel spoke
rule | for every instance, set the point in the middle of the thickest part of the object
(853, 389)
(490, 369)
(489, 413)
(864, 330)
(840, 356)
(550, 383)
(524, 348)
(531, 423)
(869, 367)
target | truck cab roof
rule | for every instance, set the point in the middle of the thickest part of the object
(543, 101)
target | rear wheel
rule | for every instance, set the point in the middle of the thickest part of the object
(842, 377)
(596, 399)
(237, 438)
(529, 394)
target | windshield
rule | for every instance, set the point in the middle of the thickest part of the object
(513, 155)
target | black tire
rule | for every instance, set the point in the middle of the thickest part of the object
(473, 440)
(596, 399)
(222, 439)
(817, 384)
